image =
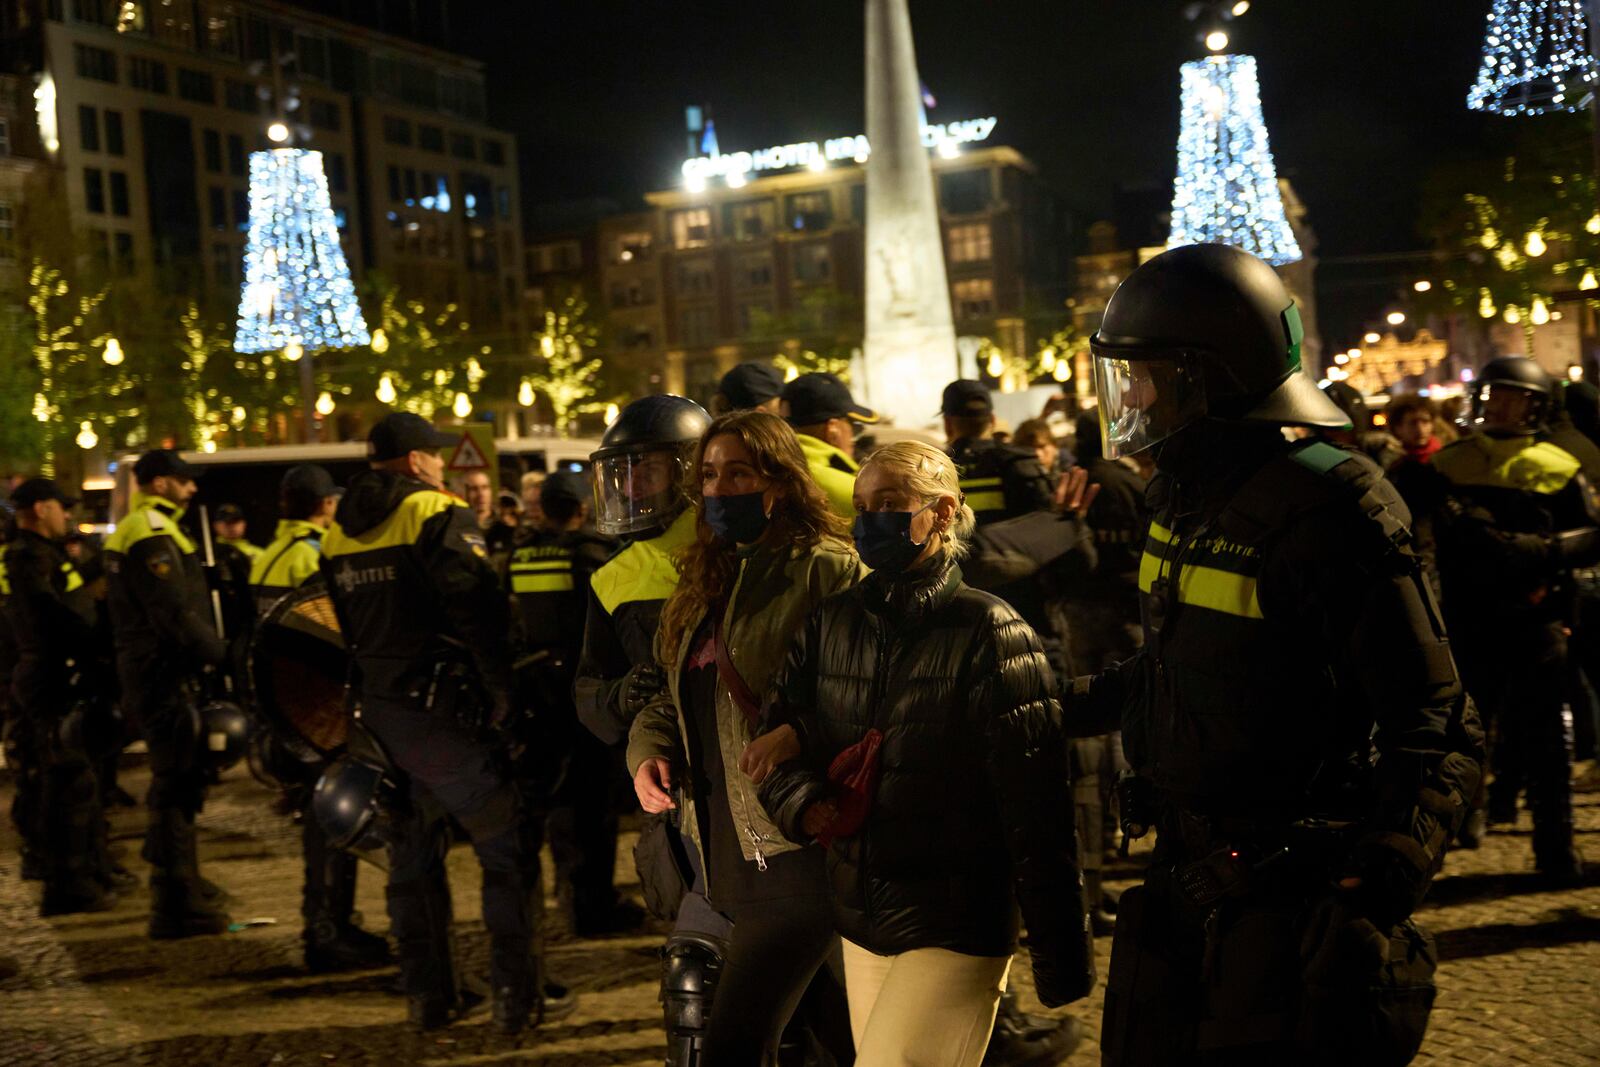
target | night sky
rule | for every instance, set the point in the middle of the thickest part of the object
(1362, 97)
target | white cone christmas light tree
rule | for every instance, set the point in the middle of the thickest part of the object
(1227, 187)
(297, 289)
(1535, 58)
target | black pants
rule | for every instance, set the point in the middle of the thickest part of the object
(168, 722)
(71, 827)
(581, 826)
(776, 949)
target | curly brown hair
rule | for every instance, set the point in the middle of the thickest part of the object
(801, 518)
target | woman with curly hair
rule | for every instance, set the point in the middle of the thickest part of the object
(767, 550)
(970, 819)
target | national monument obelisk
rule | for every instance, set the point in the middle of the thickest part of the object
(909, 354)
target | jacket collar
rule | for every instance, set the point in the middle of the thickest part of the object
(160, 503)
(291, 528)
(914, 595)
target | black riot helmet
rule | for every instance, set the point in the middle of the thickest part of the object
(1513, 397)
(643, 465)
(353, 802)
(226, 730)
(1350, 401)
(1201, 332)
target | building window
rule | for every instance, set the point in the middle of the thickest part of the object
(147, 74)
(122, 251)
(697, 326)
(694, 277)
(241, 96)
(631, 294)
(813, 263)
(753, 271)
(394, 182)
(95, 12)
(502, 200)
(749, 221)
(235, 155)
(219, 207)
(312, 56)
(95, 63)
(5, 137)
(463, 146)
(241, 210)
(964, 192)
(430, 138)
(94, 190)
(114, 144)
(222, 264)
(754, 315)
(211, 148)
(8, 230)
(396, 130)
(88, 128)
(197, 85)
(691, 228)
(221, 30)
(631, 246)
(858, 202)
(337, 178)
(974, 298)
(808, 211)
(119, 192)
(494, 153)
(970, 243)
(322, 114)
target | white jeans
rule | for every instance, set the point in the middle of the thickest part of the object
(929, 1007)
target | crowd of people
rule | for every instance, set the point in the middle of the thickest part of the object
(887, 707)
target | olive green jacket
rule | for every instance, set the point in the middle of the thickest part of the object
(776, 590)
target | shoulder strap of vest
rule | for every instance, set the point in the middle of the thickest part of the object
(1305, 478)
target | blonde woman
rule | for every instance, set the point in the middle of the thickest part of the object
(972, 811)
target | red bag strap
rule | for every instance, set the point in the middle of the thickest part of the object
(743, 698)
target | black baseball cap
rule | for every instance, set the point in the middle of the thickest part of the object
(750, 385)
(305, 486)
(814, 398)
(162, 462)
(564, 486)
(36, 491)
(229, 513)
(400, 432)
(966, 397)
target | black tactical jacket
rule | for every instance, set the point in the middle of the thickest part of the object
(409, 575)
(1294, 663)
(973, 810)
(1001, 481)
(52, 615)
(548, 573)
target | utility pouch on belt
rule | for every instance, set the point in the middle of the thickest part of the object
(1374, 1014)
(455, 693)
(663, 868)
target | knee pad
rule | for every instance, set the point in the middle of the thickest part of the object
(690, 968)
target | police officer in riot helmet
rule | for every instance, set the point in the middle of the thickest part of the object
(640, 471)
(575, 773)
(51, 614)
(427, 623)
(1520, 516)
(166, 637)
(1299, 735)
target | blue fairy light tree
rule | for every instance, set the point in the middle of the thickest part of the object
(1536, 58)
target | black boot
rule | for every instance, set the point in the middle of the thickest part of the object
(512, 910)
(1022, 1040)
(333, 942)
(420, 917)
(178, 907)
(76, 897)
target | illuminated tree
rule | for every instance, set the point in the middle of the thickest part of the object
(820, 336)
(427, 359)
(1535, 58)
(569, 372)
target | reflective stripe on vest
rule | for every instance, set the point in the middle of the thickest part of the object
(5, 578)
(1217, 574)
(551, 574)
(400, 527)
(984, 494)
(645, 570)
(74, 579)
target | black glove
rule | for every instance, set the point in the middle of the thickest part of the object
(1576, 548)
(639, 685)
(1339, 942)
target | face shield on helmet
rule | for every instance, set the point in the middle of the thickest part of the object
(1145, 401)
(638, 491)
(1507, 409)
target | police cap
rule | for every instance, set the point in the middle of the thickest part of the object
(162, 463)
(36, 491)
(564, 486)
(750, 385)
(966, 398)
(400, 433)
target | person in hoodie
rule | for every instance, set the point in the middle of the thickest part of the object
(427, 625)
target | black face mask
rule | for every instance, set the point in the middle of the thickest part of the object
(883, 539)
(739, 520)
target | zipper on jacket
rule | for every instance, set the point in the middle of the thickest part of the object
(878, 693)
(749, 827)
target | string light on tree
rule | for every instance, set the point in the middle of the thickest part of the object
(325, 404)
(1535, 58)
(462, 406)
(1534, 244)
(86, 438)
(112, 354)
(386, 393)
(1227, 186)
(297, 287)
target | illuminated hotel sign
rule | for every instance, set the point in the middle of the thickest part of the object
(735, 166)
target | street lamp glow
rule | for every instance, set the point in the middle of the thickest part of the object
(1240, 8)
(292, 351)
(87, 438)
(1574, 374)
(1395, 318)
(325, 404)
(386, 393)
(1534, 244)
(462, 406)
(277, 133)
(1216, 40)
(1422, 285)
(1372, 338)
(525, 395)
(380, 341)
(113, 353)
(1063, 370)
(1539, 314)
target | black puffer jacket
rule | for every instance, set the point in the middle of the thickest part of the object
(973, 812)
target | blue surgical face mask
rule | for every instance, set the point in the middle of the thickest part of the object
(740, 519)
(883, 539)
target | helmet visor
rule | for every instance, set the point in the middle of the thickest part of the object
(1145, 401)
(639, 491)
(1507, 408)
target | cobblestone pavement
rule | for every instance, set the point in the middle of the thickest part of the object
(1520, 978)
